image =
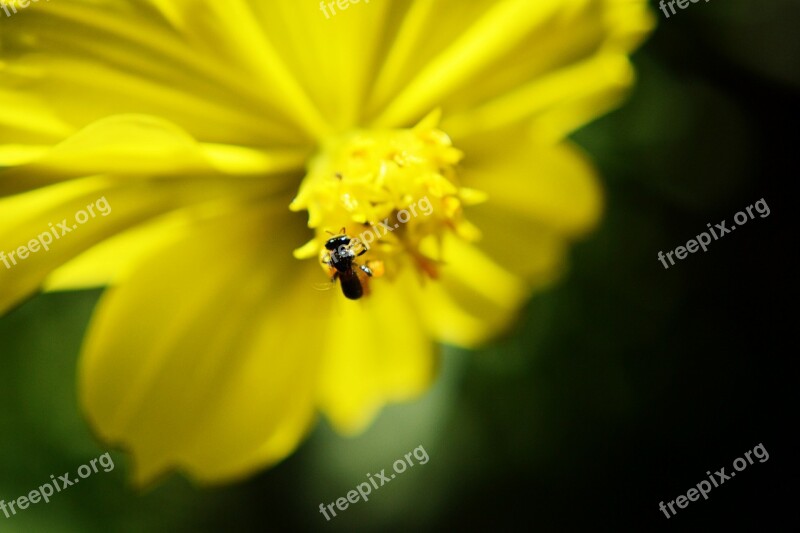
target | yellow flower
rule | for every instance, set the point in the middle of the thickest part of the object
(218, 133)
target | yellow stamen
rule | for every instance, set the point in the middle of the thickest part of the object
(396, 191)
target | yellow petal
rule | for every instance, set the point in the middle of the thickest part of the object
(127, 145)
(492, 35)
(552, 184)
(42, 230)
(19, 154)
(331, 56)
(473, 299)
(25, 119)
(506, 45)
(141, 146)
(377, 352)
(556, 103)
(523, 245)
(116, 258)
(144, 66)
(540, 197)
(236, 29)
(111, 261)
(191, 362)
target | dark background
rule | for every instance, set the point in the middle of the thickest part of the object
(619, 388)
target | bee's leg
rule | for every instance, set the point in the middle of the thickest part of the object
(362, 252)
(335, 277)
(366, 270)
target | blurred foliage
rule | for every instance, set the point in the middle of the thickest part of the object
(760, 36)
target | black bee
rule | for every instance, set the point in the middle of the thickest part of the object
(341, 258)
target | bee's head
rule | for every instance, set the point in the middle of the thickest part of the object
(335, 242)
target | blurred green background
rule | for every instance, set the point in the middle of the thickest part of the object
(619, 388)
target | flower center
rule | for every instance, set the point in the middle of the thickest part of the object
(383, 199)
